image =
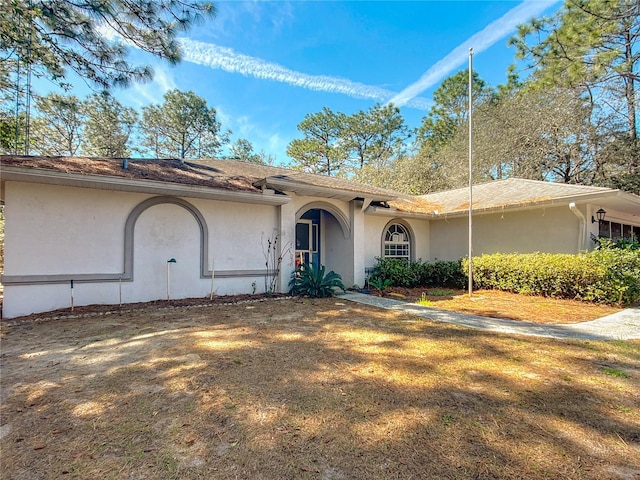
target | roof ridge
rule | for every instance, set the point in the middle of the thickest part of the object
(291, 172)
(519, 180)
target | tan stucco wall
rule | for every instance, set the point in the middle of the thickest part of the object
(73, 231)
(338, 250)
(375, 227)
(553, 230)
(54, 230)
(238, 232)
(301, 201)
(50, 230)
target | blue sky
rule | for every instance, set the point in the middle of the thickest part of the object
(265, 64)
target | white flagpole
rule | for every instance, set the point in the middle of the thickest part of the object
(470, 171)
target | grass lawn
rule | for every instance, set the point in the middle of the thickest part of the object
(498, 304)
(310, 389)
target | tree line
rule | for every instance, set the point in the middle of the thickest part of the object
(51, 38)
(572, 120)
(182, 126)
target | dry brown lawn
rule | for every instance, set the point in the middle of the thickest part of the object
(498, 304)
(310, 389)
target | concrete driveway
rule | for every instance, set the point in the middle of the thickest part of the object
(624, 325)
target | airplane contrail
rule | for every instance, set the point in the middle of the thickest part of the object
(227, 59)
(480, 41)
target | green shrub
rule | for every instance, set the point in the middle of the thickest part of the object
(443, 274)
(311, 280)
(606, 275)
(403, 273)
(397, 270)
(622, 243)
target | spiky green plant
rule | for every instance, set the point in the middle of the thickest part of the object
(311, 280)
(380, 283)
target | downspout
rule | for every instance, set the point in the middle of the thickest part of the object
(583, 226)
(280, 250)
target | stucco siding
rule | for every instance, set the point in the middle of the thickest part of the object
(421, 229)
(375, 227)
(163, 232)
(300, 202)
(338, 250)
(238, 233)
(553, 230)
(25, 299)
(337, 235)
(75, 231)
(69, 230)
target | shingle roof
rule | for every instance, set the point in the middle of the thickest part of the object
(220, 174)
(414, 205)
(236, 176)
(172, 171)
(277, 176)
(510, 192)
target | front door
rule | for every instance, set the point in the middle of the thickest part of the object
(307, 242)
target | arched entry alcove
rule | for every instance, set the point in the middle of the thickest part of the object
(323, 236)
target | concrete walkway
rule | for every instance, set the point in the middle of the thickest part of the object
(624, 325)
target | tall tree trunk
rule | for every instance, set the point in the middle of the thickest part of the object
(629, 88)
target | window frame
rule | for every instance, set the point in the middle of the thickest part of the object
(407, 244)
(606, 229)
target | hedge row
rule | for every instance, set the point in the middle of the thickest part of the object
(607, 275)
(403, 273)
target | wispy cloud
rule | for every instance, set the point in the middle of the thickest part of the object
(141, 94)
(223, 58)
(479, 42)
(227, 59)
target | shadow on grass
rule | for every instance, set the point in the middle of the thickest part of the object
(311, 389)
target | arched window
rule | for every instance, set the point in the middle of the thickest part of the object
(397, 242)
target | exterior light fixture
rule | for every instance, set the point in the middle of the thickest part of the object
(600, 214)
(169, 262)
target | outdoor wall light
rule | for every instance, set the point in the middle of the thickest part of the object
(600, 214)
(169, 262)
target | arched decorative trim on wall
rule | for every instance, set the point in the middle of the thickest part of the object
(130, 224)
(127, 273)
(339, 216)
(404, 224)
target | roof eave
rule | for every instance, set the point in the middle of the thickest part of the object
(393, 212)
(103, 182)
(306, 189)
(579, 199)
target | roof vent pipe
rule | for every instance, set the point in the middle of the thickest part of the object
(125, 163)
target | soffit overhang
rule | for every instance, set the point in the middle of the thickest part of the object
(102, 182)
(622, 202)
(309, 190)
